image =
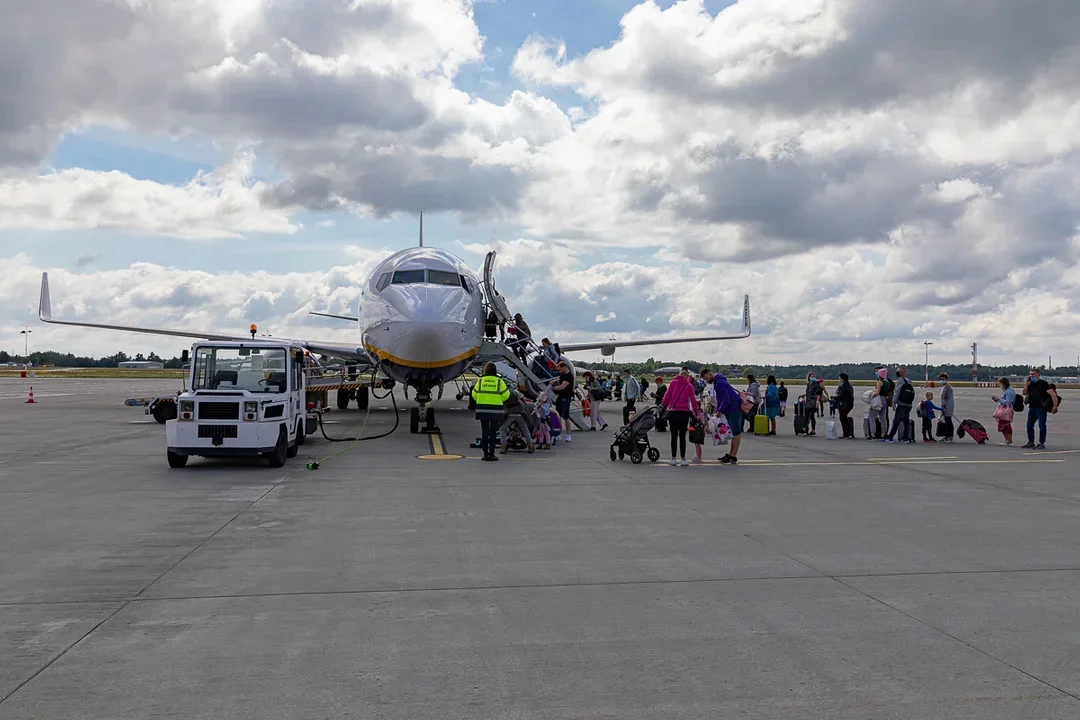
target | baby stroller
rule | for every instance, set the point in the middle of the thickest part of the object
(633, 439)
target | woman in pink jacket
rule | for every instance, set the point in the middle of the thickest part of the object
(680, 400)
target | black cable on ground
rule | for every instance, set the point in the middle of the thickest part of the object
(314, 464)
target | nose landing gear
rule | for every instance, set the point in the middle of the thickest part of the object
(424, 409)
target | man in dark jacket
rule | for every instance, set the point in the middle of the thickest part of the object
(1040, 403)
(845, 403)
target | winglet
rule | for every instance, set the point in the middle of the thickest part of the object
(746, 316)
(44, 303)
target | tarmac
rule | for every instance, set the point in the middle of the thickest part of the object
(818, 579)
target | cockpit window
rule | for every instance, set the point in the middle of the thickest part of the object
(466, 284)
(408, 277)
(441, 277)
(383, 282)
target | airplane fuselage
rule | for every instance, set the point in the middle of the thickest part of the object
(421, 317)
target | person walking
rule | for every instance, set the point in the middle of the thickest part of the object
(729, 404)
(631, 392)
(595, 392)
(679, 400)
(948, 405)
(845, 403)
(903, 400)
(772, 402)
(810, 403)
(1040, 403)
(563, 388)
(490, 393)
(1006, 410)
(524, 337)
(783, 399)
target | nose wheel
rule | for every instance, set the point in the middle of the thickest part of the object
(428, 414)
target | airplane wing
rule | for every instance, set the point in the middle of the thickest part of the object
(342, 351)
(607, 347)
(335, 317)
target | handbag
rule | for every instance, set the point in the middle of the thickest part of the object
(1004, 413)
(696, 435)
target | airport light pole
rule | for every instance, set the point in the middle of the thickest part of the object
(25, 332)
(927, 344)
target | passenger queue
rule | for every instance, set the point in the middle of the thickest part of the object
(691, 409)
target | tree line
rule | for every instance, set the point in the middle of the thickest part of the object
(856, 371)
(68, 360)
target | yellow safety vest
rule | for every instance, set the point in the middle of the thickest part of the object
(490, 392)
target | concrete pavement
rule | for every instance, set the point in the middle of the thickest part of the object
(840, 579)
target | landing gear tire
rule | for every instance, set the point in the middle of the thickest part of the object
(429, 418)
(362, 398)
(654, 454)
(343, 399)
(280, 453)
(636, 457)
(414, 420)
(176, 460)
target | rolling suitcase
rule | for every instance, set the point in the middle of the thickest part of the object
(974, 429)
(761, 425)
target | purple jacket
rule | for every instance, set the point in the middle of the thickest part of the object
(727, 397)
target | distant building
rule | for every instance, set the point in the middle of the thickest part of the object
(142, 365)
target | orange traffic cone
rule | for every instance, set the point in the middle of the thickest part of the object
(31, 399)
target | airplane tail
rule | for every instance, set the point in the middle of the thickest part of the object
(746, 316)
(45, 302)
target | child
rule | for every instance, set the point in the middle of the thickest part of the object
(554, 425)
(542, 433)
(926, 412)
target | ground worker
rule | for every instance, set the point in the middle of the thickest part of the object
(490, 393)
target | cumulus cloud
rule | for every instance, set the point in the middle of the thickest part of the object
(355, 101)
(869, 171)
(221, 204)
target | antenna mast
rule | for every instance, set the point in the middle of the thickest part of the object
(421, 228)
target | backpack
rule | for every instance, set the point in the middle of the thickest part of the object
(1018, 403)
(921, 411)
(907, 394)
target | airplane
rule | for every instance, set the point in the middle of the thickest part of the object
(421, 317)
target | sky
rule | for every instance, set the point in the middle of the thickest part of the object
(874, 174)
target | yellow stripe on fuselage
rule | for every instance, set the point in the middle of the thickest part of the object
(424, 365)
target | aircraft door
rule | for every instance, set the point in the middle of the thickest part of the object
(494, 300)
